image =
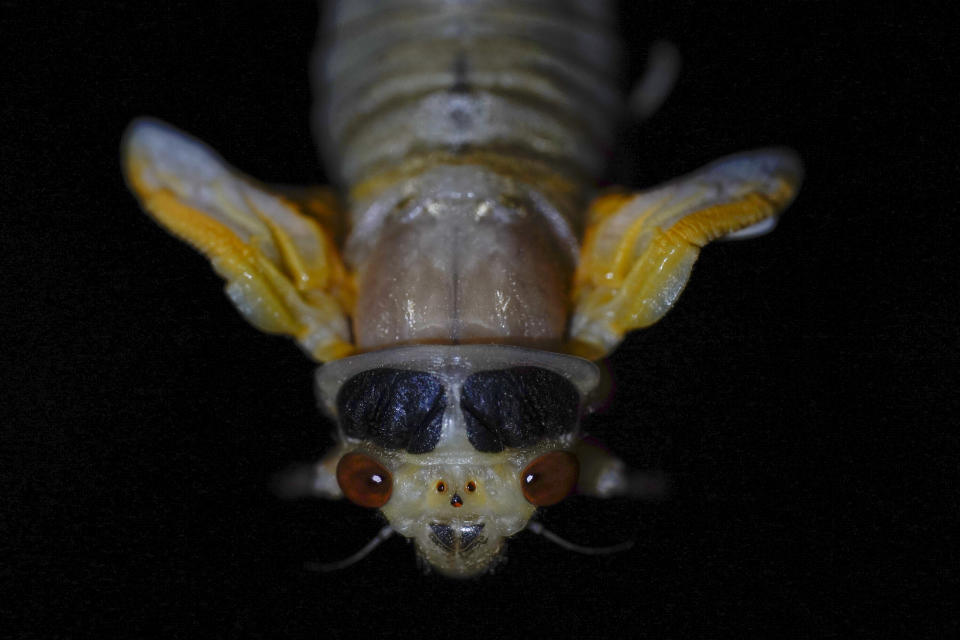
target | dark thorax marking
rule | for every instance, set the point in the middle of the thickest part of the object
(463, 539)
(393, 408)
(471, 537)
(442, 536)
(517, 407)
(461, 82)
(461, 104)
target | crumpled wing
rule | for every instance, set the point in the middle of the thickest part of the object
(639, 248)
(281, 266)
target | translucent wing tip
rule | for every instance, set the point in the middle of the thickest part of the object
(144, 133)
(150, 146)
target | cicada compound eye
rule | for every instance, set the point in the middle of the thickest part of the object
(363, 480)
(550, 478)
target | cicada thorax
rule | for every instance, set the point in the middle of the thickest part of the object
(468, 135)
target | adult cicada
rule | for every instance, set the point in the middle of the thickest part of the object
(459, 294)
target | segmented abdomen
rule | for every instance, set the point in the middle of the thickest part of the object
(521, 78)
(468, 133)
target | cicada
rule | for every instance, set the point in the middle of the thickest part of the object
(461, 280)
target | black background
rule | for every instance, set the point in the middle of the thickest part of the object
(144, 419)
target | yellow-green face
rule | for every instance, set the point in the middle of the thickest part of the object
(459, 514)
(458, 506)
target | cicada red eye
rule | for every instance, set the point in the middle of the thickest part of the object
(363, 480)
(550, 478)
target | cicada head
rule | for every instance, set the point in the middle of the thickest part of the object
(458, 514)
(457, 445)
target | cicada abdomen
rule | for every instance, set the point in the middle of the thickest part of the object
(468, 135)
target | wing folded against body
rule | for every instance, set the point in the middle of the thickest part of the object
(281, 266)
(639, 248)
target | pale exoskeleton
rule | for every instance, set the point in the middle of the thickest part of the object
(466, 440)
(458, 314)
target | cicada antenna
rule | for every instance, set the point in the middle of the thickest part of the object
(537, 528)
(326, 567)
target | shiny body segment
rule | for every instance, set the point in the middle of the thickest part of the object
(457, 264)
(468, 149)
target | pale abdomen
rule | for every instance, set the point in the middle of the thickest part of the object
(468, 135)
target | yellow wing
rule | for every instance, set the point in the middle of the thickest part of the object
(281, 266)
(639, 248)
